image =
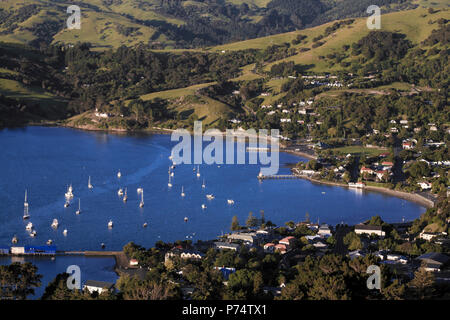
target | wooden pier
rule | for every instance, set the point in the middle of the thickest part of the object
(278, 177)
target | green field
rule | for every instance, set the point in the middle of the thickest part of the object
(359, 150)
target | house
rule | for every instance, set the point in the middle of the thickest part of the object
(366, 170)
(424, 185)
(355, 254)
(134, 263)
(430, 235)
(368, 229)
(250, 237)
(183, 254)
(324, 231)
(434, 261)
(288, 242)
(407, 145)
(226, 271)
(98, 286)
(269, 247)
(281, 248)
(226, 246)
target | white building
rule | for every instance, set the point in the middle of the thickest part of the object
(99, 286)
(366, 229)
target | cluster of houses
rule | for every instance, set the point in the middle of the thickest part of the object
(379, 171)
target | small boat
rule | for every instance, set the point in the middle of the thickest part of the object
(182, 191)
(102, 245)
(323, 192)
(15, 239)
(29, 226)
(170, 183)
(198, 171)
(55, 223)
(90, 186)
(33, 233)
(125, 197)
(185, 219)
(170, 157)
(49, 241)
(119, 174)
(26, 214)
(141, 204)
(171, 174)
(79, 207)
(203, 184)
(69, 193)
(145, 225)
(120, 192)
(66, 204)
(139, 190)
(110, 224)
(65, 232)
(209, 196)
(203, 206)
(230, 201)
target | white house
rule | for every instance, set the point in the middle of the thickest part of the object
(99, 286)
(424, 185)
(367, 229)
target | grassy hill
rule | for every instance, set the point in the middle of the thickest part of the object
(174, 24)
(412, 23)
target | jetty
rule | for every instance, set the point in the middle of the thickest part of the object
(277, 176)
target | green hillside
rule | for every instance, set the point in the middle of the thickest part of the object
(171, 24)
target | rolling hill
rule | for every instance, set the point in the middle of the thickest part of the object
(171, 23)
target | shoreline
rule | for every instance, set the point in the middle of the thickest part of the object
(413, 197)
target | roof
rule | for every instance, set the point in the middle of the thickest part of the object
(434, 258)
(99, 284)
(367, 227)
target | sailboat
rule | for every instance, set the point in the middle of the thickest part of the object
(203, 184)
(145, 225)
(185, 219)
(209, 196)
(66, 204)
(198, 171)
(33, 233)
(141, 204)
(110, 224)
(65, 232)
(203, 206)
(120, 192)
(26, 215)
(49, 241)
(125, 197)
(119, 174)
(230, 201)
(15, 239)
(90, 186)
(182, 191)
(55, 223)
(29, 226)
(79, 207)
(139, 190)
(170, 183)
(69, 193)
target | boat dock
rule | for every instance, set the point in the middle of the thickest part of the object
(277, 176)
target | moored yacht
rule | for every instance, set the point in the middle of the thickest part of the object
(55, 223)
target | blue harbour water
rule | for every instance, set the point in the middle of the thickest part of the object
(45, 160)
